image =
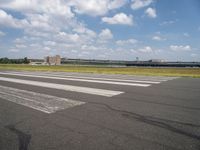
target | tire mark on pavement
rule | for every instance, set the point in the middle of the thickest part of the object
(154, 121)
(23, 138)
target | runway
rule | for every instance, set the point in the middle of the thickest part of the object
(59, 110)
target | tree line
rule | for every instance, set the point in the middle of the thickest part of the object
(6, 60)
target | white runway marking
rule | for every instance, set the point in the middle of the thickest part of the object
(37, 101)
(88, 80)
(129, 78)
(116, 77)
(87, 90)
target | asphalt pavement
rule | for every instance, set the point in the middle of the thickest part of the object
(79, 111)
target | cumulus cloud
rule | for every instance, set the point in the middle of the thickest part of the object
(71, 38)
(119, 18)
(150, 12)
(51, 24)
(46, 15)
(46, 48)
(2, 33)
(126, 42)
(54, 7)
(96, 7)
(89, 47)
(194, 55)
(180, 48)
(146, 49)
(105, 34)
(47, 23)
(137, 4)
(20, 46)
(8, 20)
(15, 50)
(186, 34)
(114, 4)
(49, 43)
(158, 38)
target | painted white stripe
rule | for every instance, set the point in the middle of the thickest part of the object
(129, 78)
(76, 79)
(37, 101)
(115, 76)
(103, 76)
(86, 90)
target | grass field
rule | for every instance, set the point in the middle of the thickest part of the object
(181, 72)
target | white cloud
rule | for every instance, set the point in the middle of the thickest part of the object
(18, 40)
(169, 22)
(186, 34)
(90, 7)
(46, 48)
(114, 4)
(54, 7)
(96, 7)
(41, 22)
(119, 18)
(137, 4)
(19, 46)
(89, 47)
(67, 37)
(126, 42)
(45, 15)
(158, 38)
(8, 20)
(180, 48)
(150, 12)
(14, 50)
(193, 55)
(2, 33)
(81, 29)
(49, 43)
(146, 49)
(105, 34)
(49, 23)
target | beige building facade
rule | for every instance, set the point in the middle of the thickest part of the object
(53, 60)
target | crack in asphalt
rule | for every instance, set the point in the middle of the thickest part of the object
(23, 138)
(166, 104)
(102, 127)
(162, 123)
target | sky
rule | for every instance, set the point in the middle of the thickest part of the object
(101, 29)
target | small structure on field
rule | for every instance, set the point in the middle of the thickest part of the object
(36, 62)
(157, 60)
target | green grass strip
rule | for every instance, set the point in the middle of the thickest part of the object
(150, 71)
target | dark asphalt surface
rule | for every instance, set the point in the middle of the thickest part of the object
(164, 116)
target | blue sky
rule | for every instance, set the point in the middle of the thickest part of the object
(101, 29)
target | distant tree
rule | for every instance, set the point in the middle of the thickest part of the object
(5, 60)
(26, 61)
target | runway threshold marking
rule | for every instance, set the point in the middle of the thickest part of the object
(69, 77)
(84, 80)
(42, 102)
(87, 90)
(110, 77)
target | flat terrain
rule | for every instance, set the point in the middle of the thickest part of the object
(83, 111)
(150, 71)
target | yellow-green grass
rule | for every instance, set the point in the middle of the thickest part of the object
(180, 72)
